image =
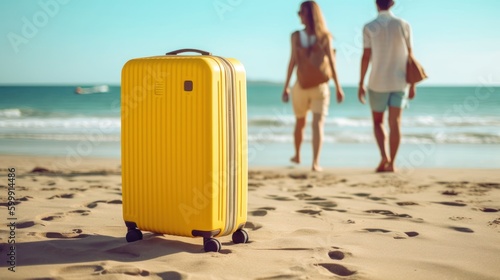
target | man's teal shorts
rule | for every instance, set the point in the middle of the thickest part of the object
(380, 100)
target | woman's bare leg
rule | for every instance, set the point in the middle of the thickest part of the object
(298, 134)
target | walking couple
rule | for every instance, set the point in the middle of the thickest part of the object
(387, 44)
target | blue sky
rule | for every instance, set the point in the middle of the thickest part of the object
(88, 41)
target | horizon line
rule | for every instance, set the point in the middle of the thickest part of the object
(268, 82)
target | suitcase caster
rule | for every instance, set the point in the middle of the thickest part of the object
(211, 245)
(134, 235)
(240, 236)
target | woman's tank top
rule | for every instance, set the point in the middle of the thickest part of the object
(306, 40)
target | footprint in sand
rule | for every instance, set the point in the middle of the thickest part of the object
(277, 277)
(95, 203)
(39, 169)
(494, 223)
(262, 211)
(80, 270)
(407, 233)
(457, 204)
(315, 199)
(374, 198)
(253, 226)
(66, 196)
(126, 270)
(50, 189)
(490, 185)
(49, 183)
(336, 255)
(489, 210)
(306, 187)
(6, 204)
(258, 213)
(311, 212)
(368, 196)
(116, 201)
(80, 212)
(337, 269)
(298, 176)
(406, 203)
(76, 233)
(362, 194)
(389, 213)
(377, 230)
(279, 198)
(56, 216)
(255, 184)
(450, 192)
(25, 224)
(172, 275)
(462, 229)
(327, 206)
(78, 189)
(302, 196)
(98, 186)
(272, 176)
(334, 210)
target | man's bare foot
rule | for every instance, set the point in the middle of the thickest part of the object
(384, 166)
(390, 168)
(295, 159)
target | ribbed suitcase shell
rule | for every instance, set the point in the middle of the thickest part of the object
(184, 145)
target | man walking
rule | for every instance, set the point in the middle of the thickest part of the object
(387, 44)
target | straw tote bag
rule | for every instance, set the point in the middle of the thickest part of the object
(313, 65)
(414, 71)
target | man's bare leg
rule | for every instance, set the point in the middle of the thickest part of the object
(394, 135)
(298, 135)
(317, 139)
(380, 136)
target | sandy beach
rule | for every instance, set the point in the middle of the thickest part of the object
(340, 224)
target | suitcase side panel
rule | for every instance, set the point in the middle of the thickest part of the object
(171, 179)
(242, 142)
(237, 157)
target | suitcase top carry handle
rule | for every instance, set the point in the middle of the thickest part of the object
(188, 50)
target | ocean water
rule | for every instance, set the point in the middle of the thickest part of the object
(443, 127)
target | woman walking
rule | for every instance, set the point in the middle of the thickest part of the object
(313, 55)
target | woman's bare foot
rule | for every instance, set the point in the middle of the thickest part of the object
(295, 159)
(317, 169)
(384, 166)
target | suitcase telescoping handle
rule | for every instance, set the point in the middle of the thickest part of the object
(188, 50)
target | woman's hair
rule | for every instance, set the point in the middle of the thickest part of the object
(314, 19)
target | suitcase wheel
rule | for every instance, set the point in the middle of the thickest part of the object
(134, 235)
(211, 245)
(240, 236)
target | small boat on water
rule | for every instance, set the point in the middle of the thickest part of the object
(91, 90)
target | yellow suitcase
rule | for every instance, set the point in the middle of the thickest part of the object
(184, 147)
